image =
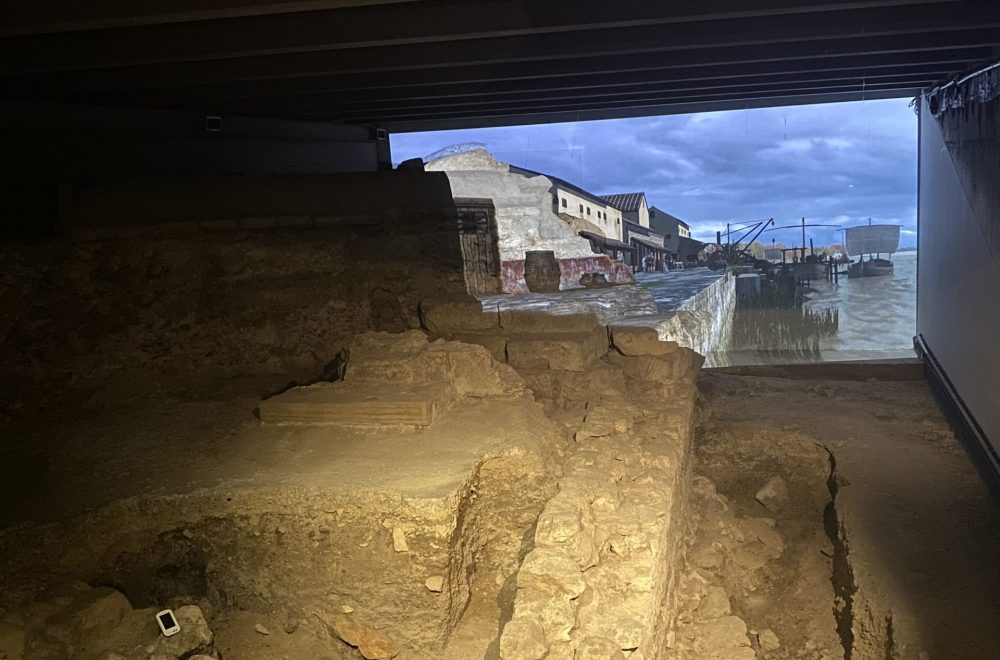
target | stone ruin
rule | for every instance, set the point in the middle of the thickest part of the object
(562, 535)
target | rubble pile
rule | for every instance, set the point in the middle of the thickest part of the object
(84, 623)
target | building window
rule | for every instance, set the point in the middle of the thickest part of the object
(588, 210)
(564, 204)
(581, 208)
(666, 236)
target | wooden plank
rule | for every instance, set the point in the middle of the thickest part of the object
(343, 403)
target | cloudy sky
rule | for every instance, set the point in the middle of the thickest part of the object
(835, 164)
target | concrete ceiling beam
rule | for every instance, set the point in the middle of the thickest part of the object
(598, 98)
(430, 21)
(651, 110)
(51, 16)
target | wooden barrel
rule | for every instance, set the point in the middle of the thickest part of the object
(541, 271)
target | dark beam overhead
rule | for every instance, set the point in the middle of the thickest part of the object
(400, 63)
(402, 125)
(48, 16)
(380, 25)
(337, 105)
(801, 32)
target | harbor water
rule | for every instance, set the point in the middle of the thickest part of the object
(871, 318)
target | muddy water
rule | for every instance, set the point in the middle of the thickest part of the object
(862, 318)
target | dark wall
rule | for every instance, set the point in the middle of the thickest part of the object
(205, 301)
(47, 145)
(958, 272)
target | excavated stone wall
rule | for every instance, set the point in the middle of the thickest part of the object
(597, 580)
(201, 308)
(569, 530)
(392, 564)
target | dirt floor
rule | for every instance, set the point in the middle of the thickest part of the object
(263, 526)
(836, 519)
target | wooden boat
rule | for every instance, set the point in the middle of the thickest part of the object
(868, 240)
(870, 268)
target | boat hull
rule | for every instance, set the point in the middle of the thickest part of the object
(873, 268)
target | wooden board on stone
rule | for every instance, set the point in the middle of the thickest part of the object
(343, 403)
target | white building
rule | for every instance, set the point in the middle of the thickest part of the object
(572, 200)
(526, 214)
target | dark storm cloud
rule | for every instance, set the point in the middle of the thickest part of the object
(834, 164)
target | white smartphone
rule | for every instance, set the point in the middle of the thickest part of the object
(168, 623)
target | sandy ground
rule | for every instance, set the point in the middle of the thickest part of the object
(921, 531)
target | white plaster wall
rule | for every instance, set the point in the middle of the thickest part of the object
(643, 213)
(525, 220)
(611, 226)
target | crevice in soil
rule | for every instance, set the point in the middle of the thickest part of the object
(844, 586)
(890, 640)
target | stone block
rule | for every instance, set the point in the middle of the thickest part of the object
(639, 340)
(600, 380)
(724, 634)
(515, 321)
(372, 644)
(344, 403)
(555, 613)
(562, 650)
(447, 316)
(715, 604)
(522, 639)
(91, 615)
(598, 648)
(551, 571)
(659, 369)
(495, 344)
(605, 419)
(407, 358)
(624, 631)
(195, 637)
(566, 351)
(773, 495)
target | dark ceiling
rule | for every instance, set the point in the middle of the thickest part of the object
(425, 64)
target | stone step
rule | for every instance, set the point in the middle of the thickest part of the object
(344, 403)
(568, 351)
(447, 315)
(517, 321)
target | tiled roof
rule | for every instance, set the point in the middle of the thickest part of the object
(625, 201)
